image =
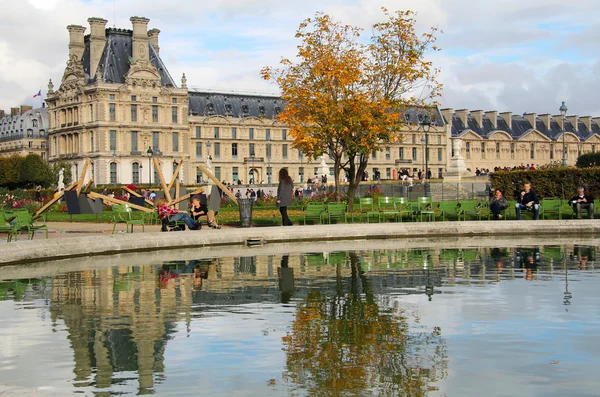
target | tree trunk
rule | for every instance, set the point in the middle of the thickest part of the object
(355, 178)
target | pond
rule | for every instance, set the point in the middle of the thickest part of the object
(413, 322)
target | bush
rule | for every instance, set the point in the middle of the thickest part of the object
(552, 183)
(589, 160)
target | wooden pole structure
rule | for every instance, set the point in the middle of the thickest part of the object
(88, 186)
(86, 164)
(176, 173)
(187, 196)
(162, 179)
(217, 182)
(113, 201)
(136, 194)
(54, 200)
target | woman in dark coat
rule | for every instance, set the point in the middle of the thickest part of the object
(285, 195)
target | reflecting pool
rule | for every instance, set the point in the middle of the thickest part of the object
(410, 322)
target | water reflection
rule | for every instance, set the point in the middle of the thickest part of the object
(349, 330)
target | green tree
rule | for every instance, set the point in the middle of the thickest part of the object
(589, 160)
(67, 176)
(10, 170)
(345, 98)
(35, 171)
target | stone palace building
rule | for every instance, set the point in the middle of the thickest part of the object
(117, 100)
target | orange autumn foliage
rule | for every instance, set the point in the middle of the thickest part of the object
(344, 97)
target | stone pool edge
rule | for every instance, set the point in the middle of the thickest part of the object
(22, 252)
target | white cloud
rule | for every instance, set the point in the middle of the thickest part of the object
(507, 54)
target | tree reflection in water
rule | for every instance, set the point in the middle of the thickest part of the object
(353, 343)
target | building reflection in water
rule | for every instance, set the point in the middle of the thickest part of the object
(347, 334)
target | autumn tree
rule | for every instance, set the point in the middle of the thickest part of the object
(345, 97)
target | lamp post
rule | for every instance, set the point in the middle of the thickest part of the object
(426, 123)
(252, 169)
(114, 156)
(141, 173)
(175, 164)
(149, 153)
(269, 172)
(563, 111)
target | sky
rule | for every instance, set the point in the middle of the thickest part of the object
(506, 55)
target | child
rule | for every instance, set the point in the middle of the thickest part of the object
(198, 209)
(166, 213)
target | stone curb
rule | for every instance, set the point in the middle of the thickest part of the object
(21, 252)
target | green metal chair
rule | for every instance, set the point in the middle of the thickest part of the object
(449, 208)
(314, 212)
(365, 206)
(550, 207)
(24, 222)
(470, 208)
(403, 207)
(122, 213)
(11, 230)
(336, 212)
(425, 207)
(387, 208)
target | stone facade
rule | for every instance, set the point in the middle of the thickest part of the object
(117, 99)
(24, 132)
(502, 140)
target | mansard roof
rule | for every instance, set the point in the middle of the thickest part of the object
(520, 127)
(32, 123)
(254, 105)
(114, 62)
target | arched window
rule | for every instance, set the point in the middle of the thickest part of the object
(35, 123)
(113, 173)
(135, 173)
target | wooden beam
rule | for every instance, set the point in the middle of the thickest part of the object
(162, 179)
(217, 182)
(88, 186)
(177, 189)
(136, 194)
(86, 164)
(113, 201)
(54, 200)
(187, 196)
(176, 173)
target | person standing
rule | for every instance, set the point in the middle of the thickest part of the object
(528, 200)
(497, 204)
(285, 195)
(583, 201)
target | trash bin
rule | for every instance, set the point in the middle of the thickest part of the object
(245, 211)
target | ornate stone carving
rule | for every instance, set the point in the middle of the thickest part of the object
(457, 145)
(50, 87)
(183, 81)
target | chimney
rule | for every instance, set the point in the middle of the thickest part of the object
(596, 120)
(545, 118)
(462, 115)
(97, 42)
(507, 117)
(478, 116)
(587, 121)
(14, 112)
(531, 118)
(153, 37)
(559, 119)
(2, 114)
(25, 108)
(493, 116)
(574, 120)
(76, 44)
(139, 48)
(447, 113)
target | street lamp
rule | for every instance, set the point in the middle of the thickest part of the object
(269, 172)
(150, 153)
(114, 156)
(175, 164)
(426, 123)
(252, 169)
(141, 173)
(563, 111)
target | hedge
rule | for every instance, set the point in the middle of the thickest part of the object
(589, 160)
(551, 183)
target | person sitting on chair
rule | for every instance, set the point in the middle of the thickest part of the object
(497, 204)
(528, 200)
(583, 201)
(167, 214)
(200, 209)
